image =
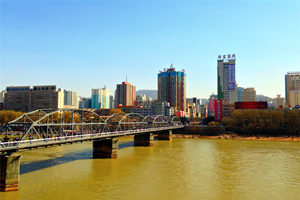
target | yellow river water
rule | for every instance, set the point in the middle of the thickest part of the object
(180, 169)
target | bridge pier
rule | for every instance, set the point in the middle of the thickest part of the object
(165, 135)
(107, 148)
(9, 172)
(145, 139)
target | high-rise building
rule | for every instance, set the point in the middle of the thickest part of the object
(292, 88)
(71, 99)
(84, 102)
(100, 98)
(2, 96)
(125, 94)
(2, 99)
(226, 78)
(18, 98)
(111, 101)
(172, 88)
(278, 101)
(239, 94)
(95, 100)
(249, 94)
(46, 96)
(161, 108)
(25, 99)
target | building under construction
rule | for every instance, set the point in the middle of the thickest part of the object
(172, 88)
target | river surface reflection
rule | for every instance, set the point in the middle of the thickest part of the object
(180, 169)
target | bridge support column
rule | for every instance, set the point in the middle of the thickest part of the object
(145, 139)
(9, 172)
(107, 148)
(165, 135)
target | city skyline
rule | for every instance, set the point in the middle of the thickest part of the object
(101, 53)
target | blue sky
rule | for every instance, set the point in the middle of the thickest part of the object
(83, 45)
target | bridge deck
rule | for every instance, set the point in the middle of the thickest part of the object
(28, 144)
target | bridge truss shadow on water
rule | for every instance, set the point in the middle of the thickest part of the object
(28, 167)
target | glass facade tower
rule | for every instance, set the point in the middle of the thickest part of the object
(100, 98)
(172, 88)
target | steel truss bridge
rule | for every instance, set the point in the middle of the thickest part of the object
(50, 127)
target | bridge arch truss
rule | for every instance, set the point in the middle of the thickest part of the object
(43, 123)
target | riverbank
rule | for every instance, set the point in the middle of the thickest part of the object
(235, 137)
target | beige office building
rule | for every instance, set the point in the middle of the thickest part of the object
(17, 98)
(25, 99)
(226, 78)
(278, 101)
(292, 88)
(249, 94)
(2, 96)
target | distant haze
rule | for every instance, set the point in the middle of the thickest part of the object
(148, 93)
(261, 97)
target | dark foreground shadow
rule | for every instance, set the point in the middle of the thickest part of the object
(66, 158)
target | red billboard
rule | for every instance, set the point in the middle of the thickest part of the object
(218, 110)
(251, 105)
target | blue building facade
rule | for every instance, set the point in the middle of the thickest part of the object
(240, 94)
(172, 88)
(100, 98)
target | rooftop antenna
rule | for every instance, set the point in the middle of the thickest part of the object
(126, 77)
